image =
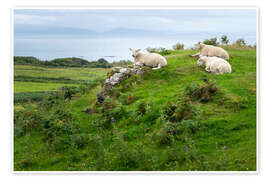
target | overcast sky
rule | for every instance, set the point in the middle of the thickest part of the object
(75, 22)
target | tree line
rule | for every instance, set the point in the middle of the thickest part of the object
(67, 62)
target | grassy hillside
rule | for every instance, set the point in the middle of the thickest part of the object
(177, 118)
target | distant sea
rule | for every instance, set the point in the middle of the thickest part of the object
(110, 48)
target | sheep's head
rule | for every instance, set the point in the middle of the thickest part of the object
(201, 60)
(134, 52)
(198, 45)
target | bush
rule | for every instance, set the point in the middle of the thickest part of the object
(224, 39)
(127, 99)
(181, 110)
(141, 107)
(201, 92)
(212, 41)
(178, 46)
(240, 42)
(162, 51)
(26, 120)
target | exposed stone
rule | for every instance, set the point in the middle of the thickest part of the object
(117, 75)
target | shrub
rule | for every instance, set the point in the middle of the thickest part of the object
(26, 120)
(212, 41)
(162, 51)
(236, 103)
(240, 42)
(141, 107)
(127, 99)
(80, 140)
(224, 39)
(69, 91)
(58, 129)
(181, 110)
(201, 92)
(178, 46)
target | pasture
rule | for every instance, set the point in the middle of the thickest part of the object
(177, 118)
(31, 82)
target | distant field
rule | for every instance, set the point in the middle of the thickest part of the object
(37, 80)
(34, 86)
(72, 73)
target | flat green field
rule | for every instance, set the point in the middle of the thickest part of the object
(36, 86)
(72, 73)
(30, 82)
(177, 118)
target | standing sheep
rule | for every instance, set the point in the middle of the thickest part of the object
(209, 50)
(153, 60)
(215, 64)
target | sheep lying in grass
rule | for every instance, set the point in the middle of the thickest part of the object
(209, 50)
(215, 64)
(153, 60)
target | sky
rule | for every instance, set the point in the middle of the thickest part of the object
(77, 23)
(94, 34)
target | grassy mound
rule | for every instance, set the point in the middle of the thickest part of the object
(176, 118)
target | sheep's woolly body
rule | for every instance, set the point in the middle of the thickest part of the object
(151, 59)
(216, 65)
(209, 50)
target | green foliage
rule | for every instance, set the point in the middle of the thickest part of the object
(211, 41)
(202, 92)
(29, 96)
(63, 62)
(67, 62)
(178, 46)
(181, 110)
(240, 42)
(29, 60)
(162, 51)
(224, 39)
(122, 63)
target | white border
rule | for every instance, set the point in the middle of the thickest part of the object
(134, 8)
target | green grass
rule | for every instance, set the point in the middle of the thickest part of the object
(35, 86)
(72, 73)
(34, 82)
(221, 136)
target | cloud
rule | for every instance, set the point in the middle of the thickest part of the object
(177, 21)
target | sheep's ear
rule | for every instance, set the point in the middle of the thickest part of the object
(138, 50)
(130, 49)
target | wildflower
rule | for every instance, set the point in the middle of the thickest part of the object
(113, 120)
(186, 149)
(224, 147)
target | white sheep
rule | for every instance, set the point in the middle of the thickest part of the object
(215, 64)
(153, 60)
(209, 50)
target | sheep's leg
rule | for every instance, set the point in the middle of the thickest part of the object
(157, 67)
(194, 55)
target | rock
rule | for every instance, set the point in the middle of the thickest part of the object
(119, 74)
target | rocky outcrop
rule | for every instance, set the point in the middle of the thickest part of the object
(116, 76)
